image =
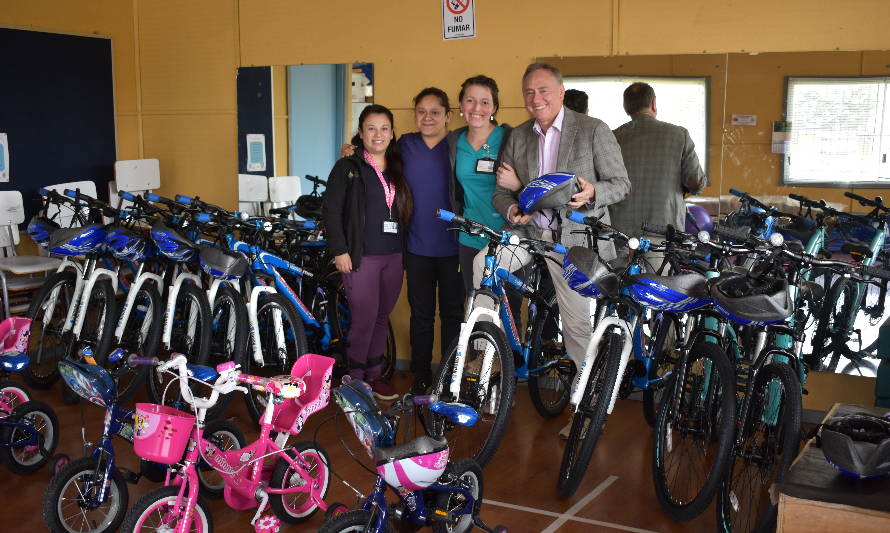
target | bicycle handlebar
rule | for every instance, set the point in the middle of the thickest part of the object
(877, 203)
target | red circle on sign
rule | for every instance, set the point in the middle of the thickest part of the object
(459, 6)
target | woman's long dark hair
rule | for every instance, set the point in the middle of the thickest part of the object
(404, 200)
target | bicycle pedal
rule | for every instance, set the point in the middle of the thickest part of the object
(268, 523)
(129, 476)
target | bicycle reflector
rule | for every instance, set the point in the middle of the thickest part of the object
(549, 191)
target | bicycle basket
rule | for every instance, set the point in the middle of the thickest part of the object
(90, 382)
(161, 433)
(372, 428)
(76, 241)
(414, 465)
(587, 274)
(221, 263)
(40, 228)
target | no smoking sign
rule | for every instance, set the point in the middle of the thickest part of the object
(458, 19)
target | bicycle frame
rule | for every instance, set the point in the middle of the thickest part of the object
(417, 511)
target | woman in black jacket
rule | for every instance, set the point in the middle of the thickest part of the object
(366, 209)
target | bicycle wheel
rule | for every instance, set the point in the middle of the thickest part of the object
(860, 367)
(98, 321)
(19, 456)
(693, 436)
(297, 507)
(155, 512)
(228, 336)
(47, 344)
(226, 436)
(141, 336)
(589, 420)
(277, 358)
(493, 403)
(70, 504)
(12, 395)
(664, 354)
(358, 521)
(550, 373)
(466, 474)
(836, 314)
(769, 441)
(190, 336)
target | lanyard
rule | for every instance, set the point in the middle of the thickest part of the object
(389, 191)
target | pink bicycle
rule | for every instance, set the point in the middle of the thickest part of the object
(294, 485)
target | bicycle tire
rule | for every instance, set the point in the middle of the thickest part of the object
(24, 460)
(776, 452)
(157, 501)
(549, 392)
(228, 336)
(280, 360)
(590, 416)
(356, 521)
(664, 361)
(141, 336)
(80, 473)
(99, 321)
(481, 440)
(468, 474)
(47, 344)
(226, 436)
(195, 346)
(823, 356)
(704, 421)
(861, 367)
(297, 507)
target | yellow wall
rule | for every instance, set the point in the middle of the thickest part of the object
(175, 61)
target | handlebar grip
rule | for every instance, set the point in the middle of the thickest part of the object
(424, 399)
(877, 272)
(445, 215)
(240, 215)
(560, 249)
(42, 192)
(183, 199)
(798, 197)
(738, 234)
(736, 192)
(283, 211)
(203, 217)
(71, 193)
(310, 224)
(316, 180)
(575, 216)
(657, 229)
(126, 195)
(135, 360)
(152, 197)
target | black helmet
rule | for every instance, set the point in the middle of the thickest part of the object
(309, 207)
(746, 300)
(858, 445)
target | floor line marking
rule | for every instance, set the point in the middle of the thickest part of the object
(581, 504)
(571, 518)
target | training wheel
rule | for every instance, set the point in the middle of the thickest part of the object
(500, 529)
(57, 463)
(335, 510)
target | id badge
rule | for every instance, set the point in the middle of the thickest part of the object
(485, 165)
(390, 226)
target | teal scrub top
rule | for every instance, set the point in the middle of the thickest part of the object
(478, 188)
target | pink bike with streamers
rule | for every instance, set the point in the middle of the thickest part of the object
(291, 480)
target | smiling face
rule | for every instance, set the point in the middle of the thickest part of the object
(477, 105)
(543, 96)
(376, 133)
(430, 116)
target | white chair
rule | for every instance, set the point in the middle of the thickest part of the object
(284, 190)
(17, 272)
(253, 191)
(133, 175)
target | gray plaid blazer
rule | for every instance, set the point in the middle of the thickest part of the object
(587, 148)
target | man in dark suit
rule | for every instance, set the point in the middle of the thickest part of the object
(557, 139)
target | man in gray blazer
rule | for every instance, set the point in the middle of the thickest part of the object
(557, 139)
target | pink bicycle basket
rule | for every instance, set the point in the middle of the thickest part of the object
(161, 433)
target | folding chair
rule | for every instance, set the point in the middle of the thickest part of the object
(284, 190)
(253, 190)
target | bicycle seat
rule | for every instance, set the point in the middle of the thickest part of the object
(460, 414)
(414, 465)
(203, 373)
(315, 373)
(856, 249)
(76, 241)
(677, 294)
(810, 290)
(13, 361)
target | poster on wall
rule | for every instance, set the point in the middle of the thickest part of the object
(256, 152)
(781, 141)
(458, 19)
(4, 157)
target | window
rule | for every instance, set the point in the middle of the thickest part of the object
(837, 131)
(680, 101)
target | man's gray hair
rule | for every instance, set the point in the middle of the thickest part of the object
(543, 66)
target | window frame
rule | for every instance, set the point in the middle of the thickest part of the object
(706, 154)
(837, 184)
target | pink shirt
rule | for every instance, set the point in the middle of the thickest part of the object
(548, 152)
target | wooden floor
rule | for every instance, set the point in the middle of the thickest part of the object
(520, 483)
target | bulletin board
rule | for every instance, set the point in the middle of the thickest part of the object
(57, 109)
(255, 119)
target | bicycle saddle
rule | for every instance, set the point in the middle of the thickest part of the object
(13, 361)
(856, 249)
(207, 374)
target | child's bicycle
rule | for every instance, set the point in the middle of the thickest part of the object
(90, 494)
(294, 486)
(431, 490)
(29, 430)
